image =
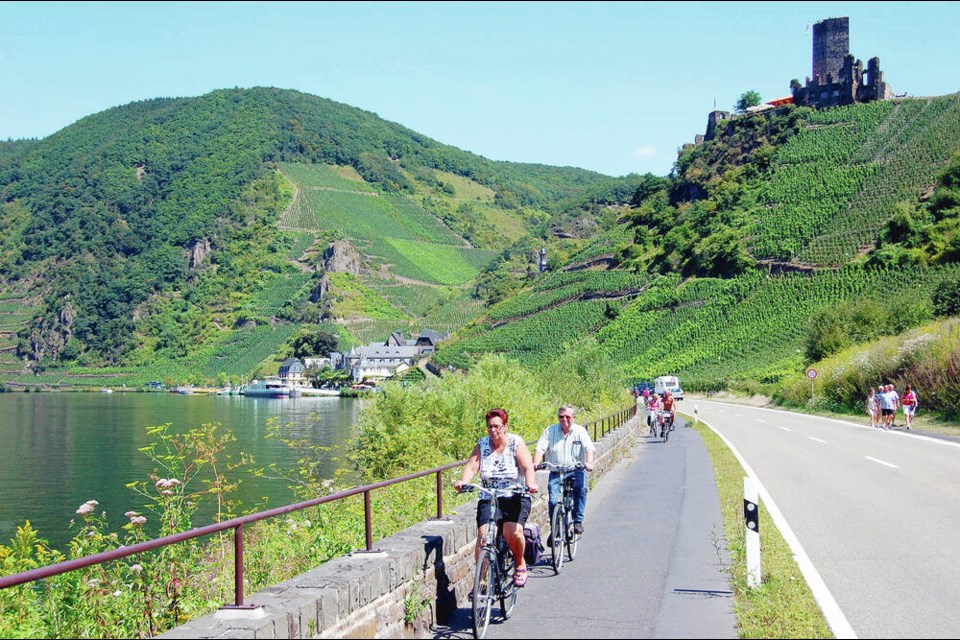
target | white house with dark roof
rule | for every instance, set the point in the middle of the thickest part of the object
(292, 370)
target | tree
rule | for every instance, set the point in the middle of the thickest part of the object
(313, 342)
(749, 99)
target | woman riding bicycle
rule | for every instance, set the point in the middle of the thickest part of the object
(504, 462)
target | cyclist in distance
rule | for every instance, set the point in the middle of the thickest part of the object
(503, 461)
(668, 402)
(653, 409)
(566, 443)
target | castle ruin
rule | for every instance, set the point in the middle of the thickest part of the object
(839, 79)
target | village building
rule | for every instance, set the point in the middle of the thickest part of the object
(292, 370)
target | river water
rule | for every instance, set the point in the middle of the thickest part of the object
(58, 450)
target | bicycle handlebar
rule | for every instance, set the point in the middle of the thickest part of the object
(561, 469)
(469, 487)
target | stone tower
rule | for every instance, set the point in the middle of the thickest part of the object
(839, 78)
(543, 258)
(831, 44)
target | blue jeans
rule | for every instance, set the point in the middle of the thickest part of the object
(555, 489)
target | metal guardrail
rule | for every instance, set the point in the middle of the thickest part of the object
(605, 426)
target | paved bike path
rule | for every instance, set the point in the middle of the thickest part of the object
(651, 562)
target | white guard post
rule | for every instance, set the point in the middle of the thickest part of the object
(751, 514)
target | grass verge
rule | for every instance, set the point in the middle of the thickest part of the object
(783, 606)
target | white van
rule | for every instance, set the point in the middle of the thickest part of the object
(663, 383)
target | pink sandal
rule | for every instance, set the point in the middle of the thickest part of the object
(520, 577)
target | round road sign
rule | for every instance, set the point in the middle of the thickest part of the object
(811, 373)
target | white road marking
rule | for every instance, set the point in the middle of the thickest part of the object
(892, 466)
(831, 610)
(817, 439)
(786, 428)
(904, 434)
(758, 420)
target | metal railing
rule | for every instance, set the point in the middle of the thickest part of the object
(605, 425)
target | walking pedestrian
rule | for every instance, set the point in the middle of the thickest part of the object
(873, 408)
(910, 403)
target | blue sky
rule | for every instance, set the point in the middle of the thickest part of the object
(613, 87)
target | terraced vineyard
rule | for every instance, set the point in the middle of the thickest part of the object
(837, 180)
(14, 315)
(715, 332)
(559, 309)
(390, 230)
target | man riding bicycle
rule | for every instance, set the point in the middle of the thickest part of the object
(567, 443)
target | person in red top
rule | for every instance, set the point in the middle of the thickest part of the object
(909, 402)
(668, 405)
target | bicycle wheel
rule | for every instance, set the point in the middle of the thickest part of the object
(665, 431)
(558, 535)
(508, 591)
(573, 539)
(483, 594)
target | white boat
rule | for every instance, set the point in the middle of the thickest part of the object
(269, 388)
(309, 392)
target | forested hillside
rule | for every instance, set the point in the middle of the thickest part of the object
(149, 232)
(792, 235)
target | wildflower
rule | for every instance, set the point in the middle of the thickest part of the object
(87, 508)
(136, 568)
(166, 492)
(93, 582)
(131, 514)
(116, 594)
(139, 520)
(90, 534)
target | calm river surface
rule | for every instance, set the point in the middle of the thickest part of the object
(58, 450)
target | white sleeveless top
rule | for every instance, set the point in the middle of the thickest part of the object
(500, 470)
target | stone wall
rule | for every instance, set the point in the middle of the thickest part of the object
(362, 595)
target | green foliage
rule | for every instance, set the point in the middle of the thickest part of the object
(746, 100)
(926, 357)
(313, 341)
(838, 327)
(946, 297)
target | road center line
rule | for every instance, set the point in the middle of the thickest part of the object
(758, 420)
(886, 464)
(817, 439)
(786, 428)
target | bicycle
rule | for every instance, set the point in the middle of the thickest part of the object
(493, 575)
(562, 535)
(666, 424)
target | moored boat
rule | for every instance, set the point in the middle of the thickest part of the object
(269, 388)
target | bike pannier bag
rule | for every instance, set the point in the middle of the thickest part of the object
(533, 548)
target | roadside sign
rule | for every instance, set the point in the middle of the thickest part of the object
(812, 373)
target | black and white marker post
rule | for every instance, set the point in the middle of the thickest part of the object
(751, 514)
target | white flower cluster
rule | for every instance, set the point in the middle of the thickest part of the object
(87, 507)
(293, 525)
(166, 486)
(135, 518)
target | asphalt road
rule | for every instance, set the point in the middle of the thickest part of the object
(876, 512)
(651, 562)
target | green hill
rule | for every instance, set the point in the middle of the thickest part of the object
(171, 227)
(759, 236)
